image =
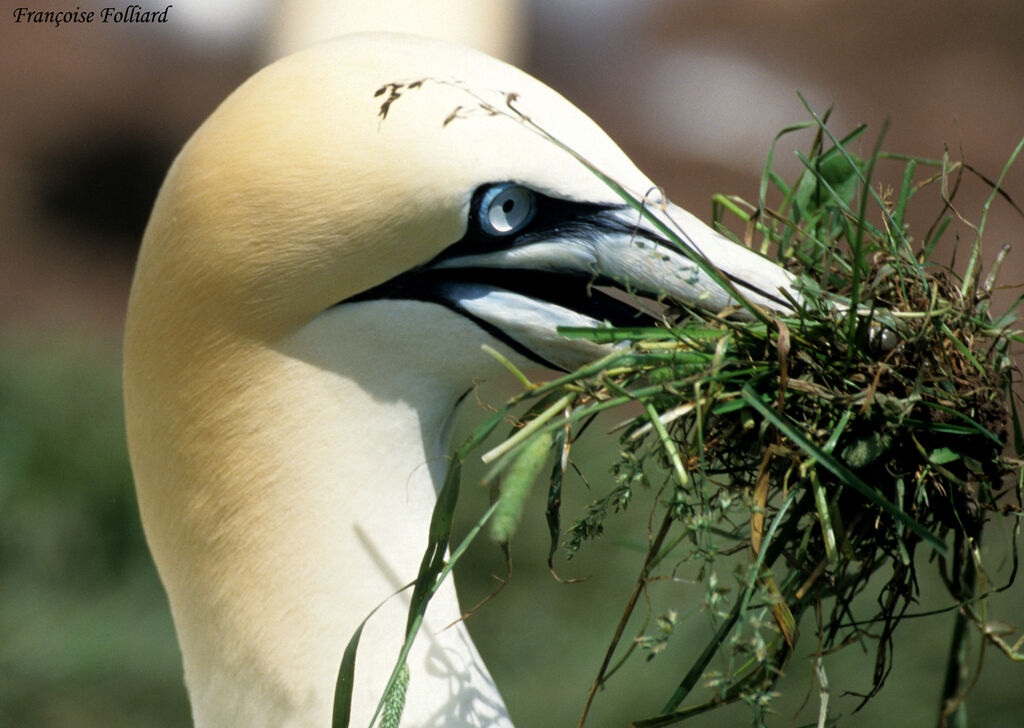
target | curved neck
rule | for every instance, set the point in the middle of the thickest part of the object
(298, 508)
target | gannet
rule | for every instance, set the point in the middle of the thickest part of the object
(323, 262)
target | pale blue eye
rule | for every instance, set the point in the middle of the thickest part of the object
(506, 209)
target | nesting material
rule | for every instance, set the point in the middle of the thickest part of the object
(831, 447)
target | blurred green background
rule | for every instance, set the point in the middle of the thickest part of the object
(86, 633)
(694, 91)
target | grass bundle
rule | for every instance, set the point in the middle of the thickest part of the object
(829, 446)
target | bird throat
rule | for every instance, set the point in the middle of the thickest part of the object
(312, 515)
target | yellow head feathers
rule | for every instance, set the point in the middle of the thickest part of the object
(296, 182)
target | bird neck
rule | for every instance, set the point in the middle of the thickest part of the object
(297, 509)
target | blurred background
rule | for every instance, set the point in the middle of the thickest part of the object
(91, 116)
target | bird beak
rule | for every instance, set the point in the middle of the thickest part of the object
(523, 292)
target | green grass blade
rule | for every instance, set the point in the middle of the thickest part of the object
(971, 275)
(906, 191)
(347, 671)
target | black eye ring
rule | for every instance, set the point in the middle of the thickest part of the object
(506, 209)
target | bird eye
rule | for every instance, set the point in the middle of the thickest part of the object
(506, 209)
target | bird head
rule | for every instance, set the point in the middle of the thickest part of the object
(388, 167)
